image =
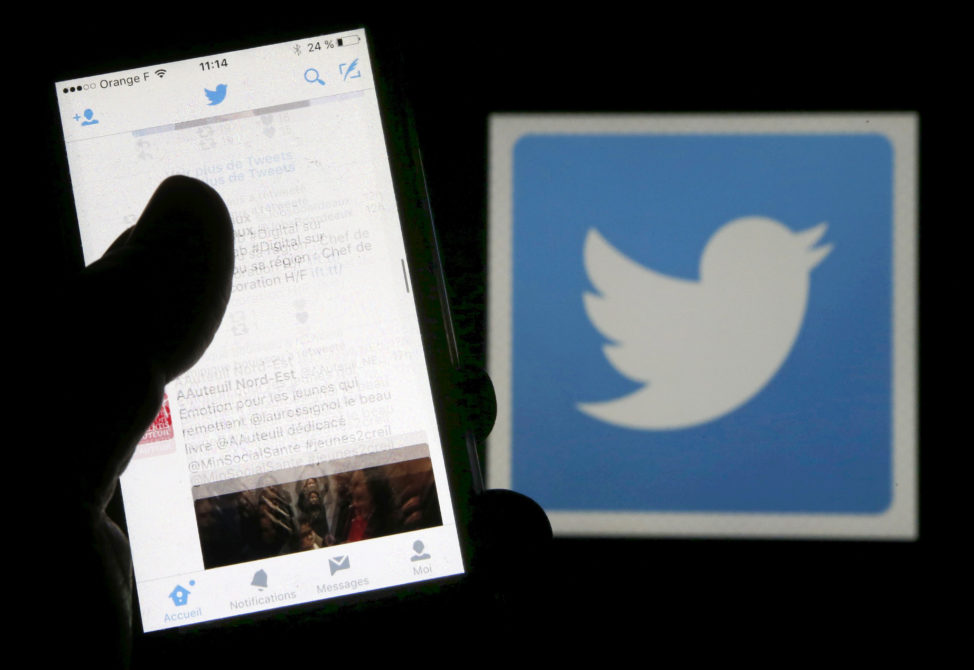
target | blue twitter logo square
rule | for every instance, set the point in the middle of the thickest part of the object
(700, 324)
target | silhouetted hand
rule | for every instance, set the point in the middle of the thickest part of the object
(128, 324)
(131, 322)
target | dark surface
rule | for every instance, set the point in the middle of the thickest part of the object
(693, 597)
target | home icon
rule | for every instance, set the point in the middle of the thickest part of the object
(180, 594)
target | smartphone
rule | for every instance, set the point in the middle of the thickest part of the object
(312, 456)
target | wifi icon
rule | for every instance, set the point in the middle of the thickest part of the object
(160, 73)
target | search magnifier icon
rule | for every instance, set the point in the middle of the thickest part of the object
(311, 76)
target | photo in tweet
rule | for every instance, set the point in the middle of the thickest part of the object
(316, 506)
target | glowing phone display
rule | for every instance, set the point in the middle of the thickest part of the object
(299, 459)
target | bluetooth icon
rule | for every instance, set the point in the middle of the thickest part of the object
(297, 49)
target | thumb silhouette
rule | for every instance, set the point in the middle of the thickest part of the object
(149, 308)
(128, 324)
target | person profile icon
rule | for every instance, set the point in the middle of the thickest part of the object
(89, 118)
(420, 554)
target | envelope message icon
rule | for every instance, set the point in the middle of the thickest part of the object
(336, 563)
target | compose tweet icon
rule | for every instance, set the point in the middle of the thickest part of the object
(692, 322)
(217, 95)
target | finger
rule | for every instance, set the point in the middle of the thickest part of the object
(139, 316)
(280, 524)
(274, 500)
(169, 276)
(411, 502)
(275, 508)
(121, 240)
(503, 519)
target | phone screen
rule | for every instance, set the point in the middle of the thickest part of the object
(299, 460)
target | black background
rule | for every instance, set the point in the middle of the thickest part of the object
(731, 598)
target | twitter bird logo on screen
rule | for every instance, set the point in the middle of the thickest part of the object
(217, 96)
(702, 322)
(701, 348)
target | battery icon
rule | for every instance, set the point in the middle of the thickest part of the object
(348, 40)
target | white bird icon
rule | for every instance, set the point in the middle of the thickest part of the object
(702, 348)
